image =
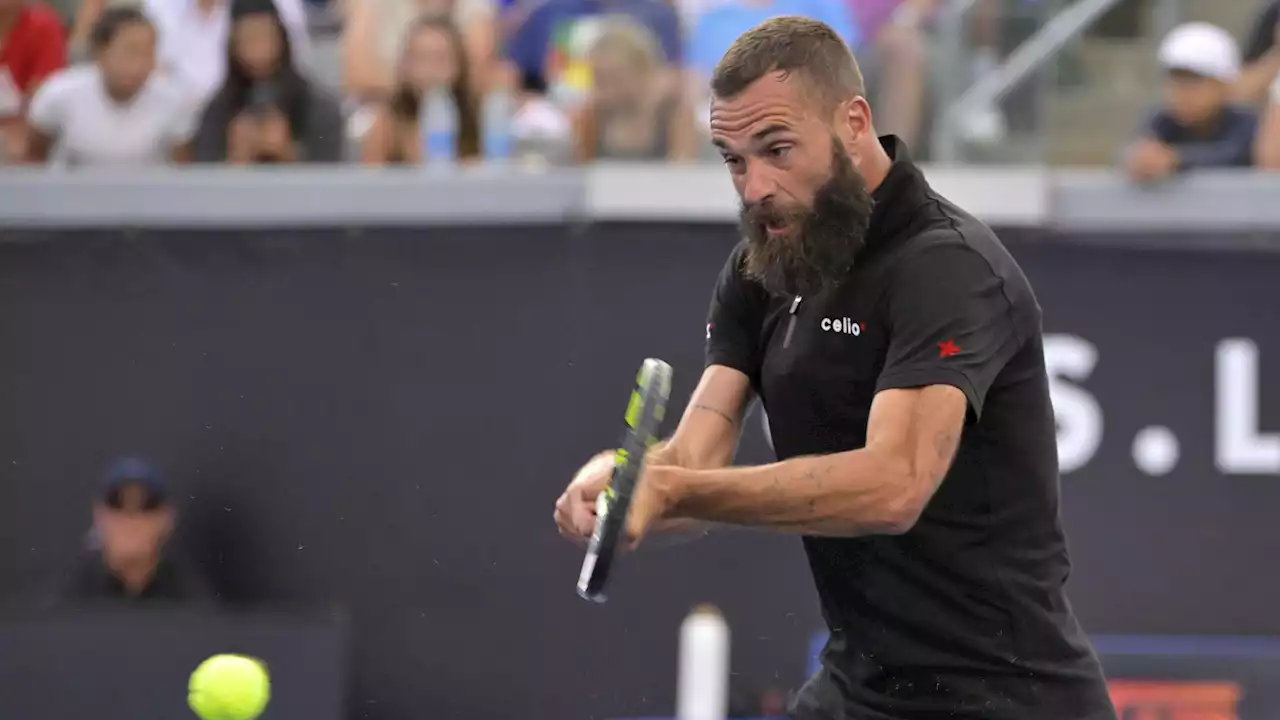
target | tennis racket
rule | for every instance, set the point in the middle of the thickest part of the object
(645, 410)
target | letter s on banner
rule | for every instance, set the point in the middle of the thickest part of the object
(1078, 415)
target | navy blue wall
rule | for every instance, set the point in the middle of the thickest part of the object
(383, 419)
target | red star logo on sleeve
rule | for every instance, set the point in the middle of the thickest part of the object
(947, 348)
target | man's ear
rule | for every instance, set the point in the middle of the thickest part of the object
(852, 123)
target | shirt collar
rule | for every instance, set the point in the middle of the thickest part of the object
(897, 199)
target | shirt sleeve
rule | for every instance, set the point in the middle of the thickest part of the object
(47, 113)
(950, 323)
(735, 320)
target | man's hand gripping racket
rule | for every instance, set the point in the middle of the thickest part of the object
(645, 411)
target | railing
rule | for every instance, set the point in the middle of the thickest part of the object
(346, 196)
(1031, 55)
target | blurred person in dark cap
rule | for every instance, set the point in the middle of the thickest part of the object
(128, 556)
(267, 110)
(1198, 126)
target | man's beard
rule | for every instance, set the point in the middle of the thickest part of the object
(821, 242)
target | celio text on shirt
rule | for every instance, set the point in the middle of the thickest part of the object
(842, 325)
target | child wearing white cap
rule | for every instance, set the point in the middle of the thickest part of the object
(1197, 126)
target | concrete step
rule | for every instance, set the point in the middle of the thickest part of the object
(1081, 152)
(1090, 113)
(1236, 16)
(1087, 123)
(1088, 126)
(1122, 65)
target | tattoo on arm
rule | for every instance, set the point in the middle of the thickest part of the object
(727, 418)
(945, 443)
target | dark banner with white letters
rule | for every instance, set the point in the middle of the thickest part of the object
(382, 419)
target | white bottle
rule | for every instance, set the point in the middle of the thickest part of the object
(438, 127)
(702, 689)
(498, 111)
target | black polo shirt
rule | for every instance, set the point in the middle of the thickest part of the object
(92, 581)
(963, 616)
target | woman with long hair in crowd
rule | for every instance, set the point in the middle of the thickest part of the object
(267, 111)
(632, 111)
(433, 55)
(373, 37)
(115, 111)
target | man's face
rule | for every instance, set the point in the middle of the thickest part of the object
(1192, 98)
(132, 526)
(805, 207)
(128, 60)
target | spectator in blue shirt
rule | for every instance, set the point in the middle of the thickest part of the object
(550, 48)
(1197, 127)
(717, 28)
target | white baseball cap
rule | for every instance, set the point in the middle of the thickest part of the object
(1203, 49)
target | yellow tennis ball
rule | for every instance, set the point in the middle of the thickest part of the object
(229, 687)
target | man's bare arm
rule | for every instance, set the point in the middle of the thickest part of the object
(882, 488)
(705, 439)
(708, 432)
(1251, 85)
(707, 435)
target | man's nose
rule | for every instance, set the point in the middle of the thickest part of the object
(758, 185)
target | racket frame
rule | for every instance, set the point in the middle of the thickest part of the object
(645, 411)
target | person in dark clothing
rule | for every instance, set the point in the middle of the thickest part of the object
(1261, 55)
(267, 111)
(128, 557)
(897, 349)
(1197, 127)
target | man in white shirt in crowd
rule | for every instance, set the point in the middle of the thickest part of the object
(193, 39)
(116, 110)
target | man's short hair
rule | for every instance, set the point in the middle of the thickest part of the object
(790, 44)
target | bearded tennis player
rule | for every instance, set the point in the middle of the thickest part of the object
(897, 349)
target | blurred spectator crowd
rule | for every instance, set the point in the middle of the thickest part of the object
(142, 82)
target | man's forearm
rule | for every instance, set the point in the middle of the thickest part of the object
(663, 452)
(845, 494)
(666, 453)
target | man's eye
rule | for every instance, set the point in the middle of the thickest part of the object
(779, 151)
(731, 161)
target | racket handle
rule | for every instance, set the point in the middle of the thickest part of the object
(702, 689)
